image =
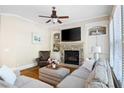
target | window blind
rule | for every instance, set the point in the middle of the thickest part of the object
(122, 21)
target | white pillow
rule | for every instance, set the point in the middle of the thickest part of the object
(7, 75)
(88, 64)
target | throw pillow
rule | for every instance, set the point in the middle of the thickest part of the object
(7, 75)
(88, 64)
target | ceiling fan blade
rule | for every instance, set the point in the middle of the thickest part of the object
(44, 16)
(62, 17)
(59, 21)
(48, 21)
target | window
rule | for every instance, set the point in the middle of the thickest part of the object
(116, 43)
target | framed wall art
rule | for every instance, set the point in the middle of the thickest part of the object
(36, 38)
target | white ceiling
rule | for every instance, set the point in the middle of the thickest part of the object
(75, 12)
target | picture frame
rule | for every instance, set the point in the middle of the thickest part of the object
(57, 37)
(36, 38)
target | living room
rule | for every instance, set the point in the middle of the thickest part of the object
(24, 33)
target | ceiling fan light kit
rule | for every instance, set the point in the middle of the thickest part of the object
(54, 18)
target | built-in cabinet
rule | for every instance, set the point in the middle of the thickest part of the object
(97, 35)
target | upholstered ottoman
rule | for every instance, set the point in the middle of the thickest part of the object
(53, 76)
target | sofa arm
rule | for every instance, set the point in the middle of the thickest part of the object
(17, 72)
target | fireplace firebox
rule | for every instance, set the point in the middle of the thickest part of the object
(71, 57)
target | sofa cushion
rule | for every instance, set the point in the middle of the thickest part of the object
(95, 84)
(27, 82)
(4, 84)
(90, 78)
(101, 74)
(7, 75)
(110, 78)
(81, 73)
(72, 82)
(21, 80)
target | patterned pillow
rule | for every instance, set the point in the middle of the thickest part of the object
(88, 64)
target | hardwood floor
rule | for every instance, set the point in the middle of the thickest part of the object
(31, 72)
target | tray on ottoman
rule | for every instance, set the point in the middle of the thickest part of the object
(53, 76)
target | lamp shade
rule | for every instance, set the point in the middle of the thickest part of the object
(97, 49)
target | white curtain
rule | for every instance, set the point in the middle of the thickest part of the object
(117, 44)
(111, 33)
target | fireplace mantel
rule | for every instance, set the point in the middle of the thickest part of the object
(72, 46)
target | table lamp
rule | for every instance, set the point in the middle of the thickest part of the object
(97, 51)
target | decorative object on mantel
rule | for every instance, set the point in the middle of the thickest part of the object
(54, 18)
(36, 38)
(56, 42)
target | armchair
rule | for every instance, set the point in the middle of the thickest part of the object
(43, 58)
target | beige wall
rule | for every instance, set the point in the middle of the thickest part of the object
(16, 47)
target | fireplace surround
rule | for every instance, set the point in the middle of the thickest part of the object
(76, 48)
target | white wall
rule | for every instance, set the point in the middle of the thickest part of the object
(102, 21)
(16, 47)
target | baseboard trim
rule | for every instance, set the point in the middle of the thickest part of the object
(26, 66)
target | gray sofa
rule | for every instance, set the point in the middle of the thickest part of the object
(99, 77)
(24, 82)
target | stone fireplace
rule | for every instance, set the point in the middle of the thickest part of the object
(72, 53)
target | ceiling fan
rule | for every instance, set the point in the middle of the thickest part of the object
(54, 18)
